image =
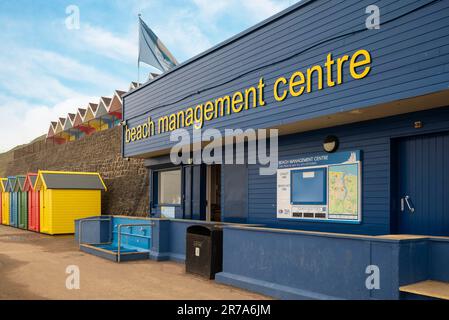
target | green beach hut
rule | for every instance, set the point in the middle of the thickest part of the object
(22, 202)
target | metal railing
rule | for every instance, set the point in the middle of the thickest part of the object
(119, 235)
(80, 231)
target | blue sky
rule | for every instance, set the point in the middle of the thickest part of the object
(48, 70)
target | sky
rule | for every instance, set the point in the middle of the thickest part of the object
(48, 68)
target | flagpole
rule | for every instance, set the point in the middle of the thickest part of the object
(138, 55)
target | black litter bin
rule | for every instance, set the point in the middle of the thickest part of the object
(204, 250)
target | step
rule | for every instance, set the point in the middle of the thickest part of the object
(111, 254)
(428, 288)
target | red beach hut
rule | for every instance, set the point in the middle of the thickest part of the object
(33, 202)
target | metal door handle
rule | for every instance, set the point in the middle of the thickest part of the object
(406, 199)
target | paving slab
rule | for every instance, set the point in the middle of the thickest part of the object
(33, 266)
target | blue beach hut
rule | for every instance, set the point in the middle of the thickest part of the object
(13, 209)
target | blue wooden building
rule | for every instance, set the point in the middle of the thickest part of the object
(362, 113)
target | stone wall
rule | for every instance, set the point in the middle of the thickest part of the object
(126, 180)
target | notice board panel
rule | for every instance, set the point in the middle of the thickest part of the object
(320, 187)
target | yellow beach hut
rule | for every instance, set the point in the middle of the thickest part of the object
(4, 207)
(89, 118)
(66, 197)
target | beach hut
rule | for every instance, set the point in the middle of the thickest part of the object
(22, 202)
(51, 134)
(133, 86)
(33, 202)
(69, 133)
(102, 120)
(2, 201)
(51, 131)
(60, 136)
(89, 118)
(12, 201)
(116, 106)
(152, 76)
(60, 126)
(79, 125)
(66, 197)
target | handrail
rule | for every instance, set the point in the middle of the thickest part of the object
(124, 233)
(119, 239)
(89, 220)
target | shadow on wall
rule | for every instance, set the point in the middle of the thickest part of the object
(127, 181)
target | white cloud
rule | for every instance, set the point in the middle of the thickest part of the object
(64, 67)
(102, 42)
(180, 32)
(28, 85)
(23, 122)
(39, 74)
(262, 9)
(211, 9)
(253, 10)
(39, 86)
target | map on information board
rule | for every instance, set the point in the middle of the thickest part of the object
(343, 190)
(321, 187)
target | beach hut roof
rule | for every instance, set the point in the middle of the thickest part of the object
(134, 85)
(71, 117)
(60, 125)
(116, 102)
(91, 112)
(103, 106)
(51, 130)
(69, 121)
(30, 182)
(153, 75)
(19, 184)
(79, 119)
(69, 180)
(10, 184)
(3, 182)
(82, 112)
(105, 100)
(118, 96)
(93, 107)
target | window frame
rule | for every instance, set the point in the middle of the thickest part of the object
(156, 187)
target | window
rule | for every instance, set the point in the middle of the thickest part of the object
(169, 187)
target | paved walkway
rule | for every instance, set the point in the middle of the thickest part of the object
(33, 266)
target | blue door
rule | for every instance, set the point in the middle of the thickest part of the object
(423, 185)
(187, 193)
(194, 194)
(13, 210)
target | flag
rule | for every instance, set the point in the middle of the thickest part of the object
(152, 51)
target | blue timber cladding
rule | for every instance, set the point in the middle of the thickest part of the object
(289, 264)
(298, 266)
(410, 57)
(374, 138)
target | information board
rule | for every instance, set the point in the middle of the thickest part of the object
(320, 187)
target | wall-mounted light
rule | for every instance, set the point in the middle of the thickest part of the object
(331, 144)
(418, 124)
